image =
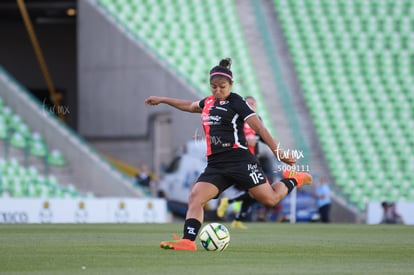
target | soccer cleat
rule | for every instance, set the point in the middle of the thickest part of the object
(221, 209)
(238, 225)
(179, 244)
(301, 178)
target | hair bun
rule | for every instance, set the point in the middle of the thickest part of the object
(226, 62)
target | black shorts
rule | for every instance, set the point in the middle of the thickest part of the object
(237, 167)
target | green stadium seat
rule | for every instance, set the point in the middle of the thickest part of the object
(38, 149)
(55, 158)
(32, 172)
(18, 140)
(7, 115)
(15, 121)
(23, 129)
(37, 145)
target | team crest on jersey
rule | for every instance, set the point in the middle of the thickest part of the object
(223, 102)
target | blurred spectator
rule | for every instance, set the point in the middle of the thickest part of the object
(390, 214)
(323, 195)
(144, 176)
(270, 214)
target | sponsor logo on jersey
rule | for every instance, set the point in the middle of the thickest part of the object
(211, 120)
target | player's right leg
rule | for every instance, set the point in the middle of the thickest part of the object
(270, 195)
(302, 178)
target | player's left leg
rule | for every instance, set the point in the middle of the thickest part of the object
(201, 193)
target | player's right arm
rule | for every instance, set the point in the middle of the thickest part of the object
(180, 104)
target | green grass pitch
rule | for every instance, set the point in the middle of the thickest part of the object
(264, 248)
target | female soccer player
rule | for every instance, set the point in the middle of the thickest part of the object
(228, 158)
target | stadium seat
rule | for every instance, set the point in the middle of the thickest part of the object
(38, 149)
(38, 146)
(56, 158)
(18, 140)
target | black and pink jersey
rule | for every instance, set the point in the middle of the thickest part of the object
(223, 123)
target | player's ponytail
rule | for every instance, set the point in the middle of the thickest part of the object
(226, 63)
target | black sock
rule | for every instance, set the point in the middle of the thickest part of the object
(242, 197)
(191, 228)
(290, 183)
(246, 203)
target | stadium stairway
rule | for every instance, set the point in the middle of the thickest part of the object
(264, 73)
(86, 169)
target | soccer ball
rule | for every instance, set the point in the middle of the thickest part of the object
(214, 237)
